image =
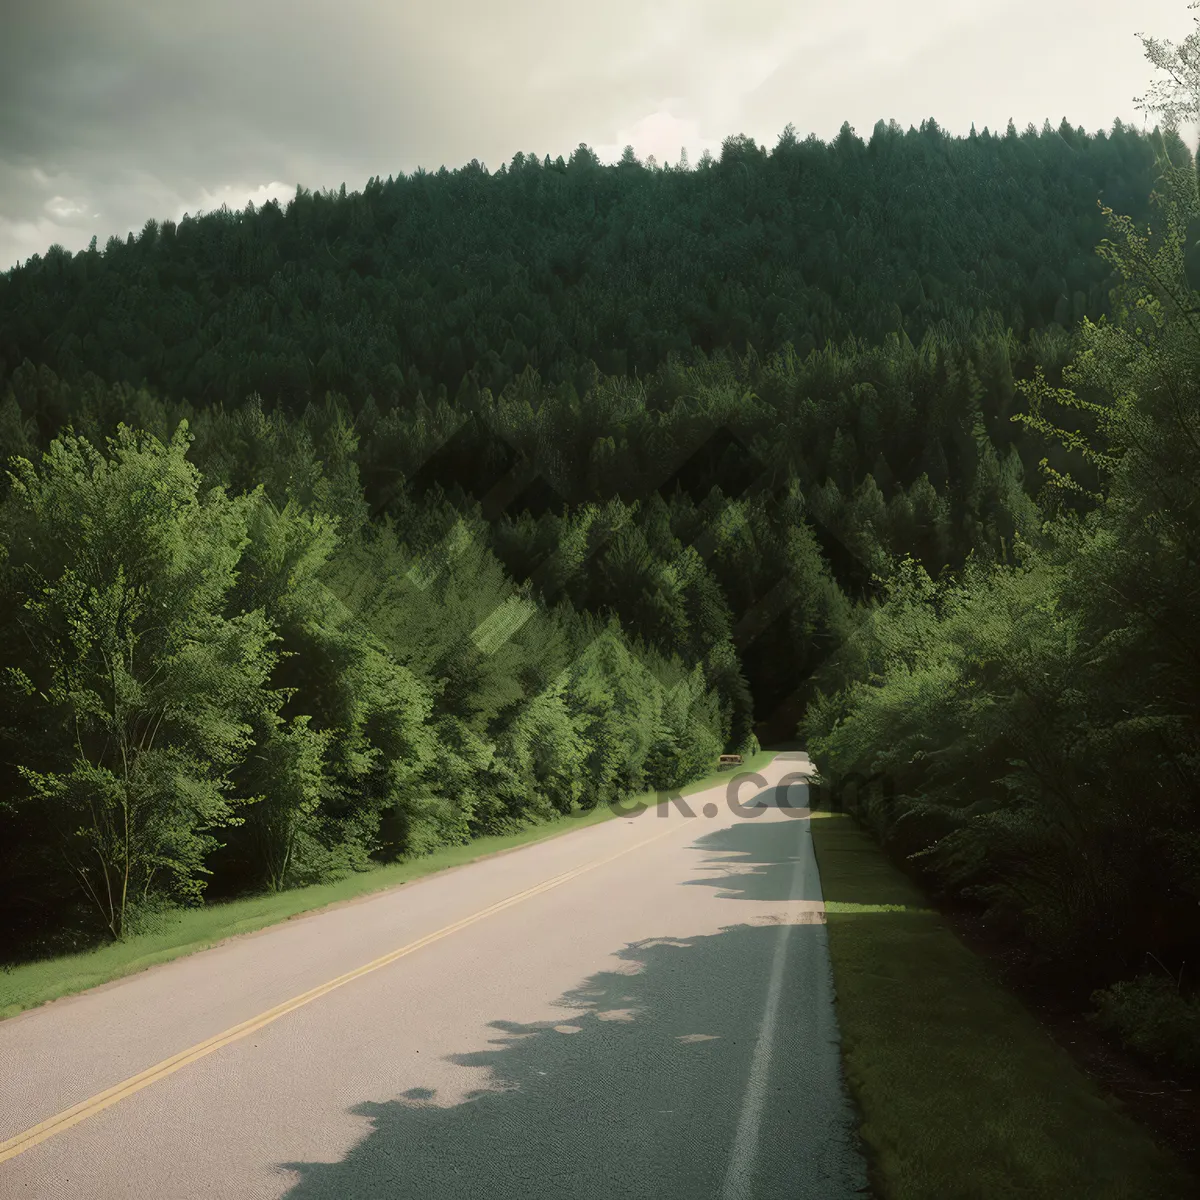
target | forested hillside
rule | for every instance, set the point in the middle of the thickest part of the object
(415, 281)
(338, 532)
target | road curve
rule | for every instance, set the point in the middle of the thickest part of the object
(637, 1008)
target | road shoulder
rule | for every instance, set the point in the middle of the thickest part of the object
(961, 1092)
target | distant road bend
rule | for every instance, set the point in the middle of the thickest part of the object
(639, 1008)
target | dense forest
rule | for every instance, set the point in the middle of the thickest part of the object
(337, 532)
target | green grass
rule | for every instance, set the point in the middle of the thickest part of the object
(962, 1094)
(30, 984)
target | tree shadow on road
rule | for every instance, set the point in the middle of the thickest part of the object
(756, 859)
(636, 1091)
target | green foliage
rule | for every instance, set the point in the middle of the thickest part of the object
(1152, 1016)
(410, 284)
(547, 752)
(611, 700)
(687, 733)
(1035, 721)
(263, 690)
(349, 738)
(117, 570)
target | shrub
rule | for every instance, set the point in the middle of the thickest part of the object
(1151, 1016)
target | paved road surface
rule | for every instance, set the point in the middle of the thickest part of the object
(641, 1008)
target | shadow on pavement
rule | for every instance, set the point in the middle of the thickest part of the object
(743, 798)
(756, 860)
(644, 1097)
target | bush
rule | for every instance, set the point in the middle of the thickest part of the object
(1152, 1017)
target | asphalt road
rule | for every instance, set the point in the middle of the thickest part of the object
(640, 1008)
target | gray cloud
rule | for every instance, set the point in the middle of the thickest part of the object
(113, 113)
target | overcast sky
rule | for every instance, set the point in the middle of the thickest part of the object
(114, 111)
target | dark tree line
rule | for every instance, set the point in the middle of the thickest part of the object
(412, 283)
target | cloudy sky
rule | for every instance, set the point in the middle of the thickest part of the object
(114, 111)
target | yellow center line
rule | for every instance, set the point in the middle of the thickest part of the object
(102, 1100)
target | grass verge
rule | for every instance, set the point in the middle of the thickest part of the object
(27, 985)
(961, 1092)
